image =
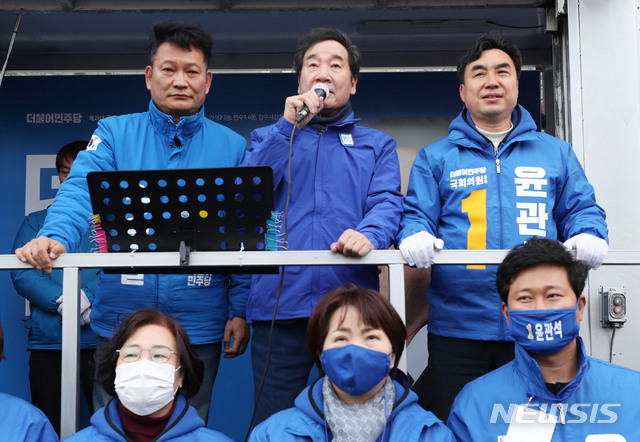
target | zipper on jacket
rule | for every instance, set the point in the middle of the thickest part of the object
(501, 321)
(496, 149)
(562, 419)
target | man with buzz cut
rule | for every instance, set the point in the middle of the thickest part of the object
(492, 183)
(552, 391)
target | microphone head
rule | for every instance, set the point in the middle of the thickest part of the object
(321, 89)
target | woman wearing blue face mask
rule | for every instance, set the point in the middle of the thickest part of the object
(356, 339)
(152, 369)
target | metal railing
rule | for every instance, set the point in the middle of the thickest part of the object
(72, 263)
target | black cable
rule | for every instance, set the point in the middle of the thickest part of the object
(613, 335)
(502, 25)
(275, 309)
(13, 38)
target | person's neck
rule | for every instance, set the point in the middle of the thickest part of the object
(561, 366)
(493, 126)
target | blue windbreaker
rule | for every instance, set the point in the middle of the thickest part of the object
(43, 289)
(184, 424)
(347, 177)
(22, 422)
(462, 191)
(201, 303)
(306, 421)
(602, 399)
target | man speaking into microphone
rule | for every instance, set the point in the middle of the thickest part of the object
(337, 187)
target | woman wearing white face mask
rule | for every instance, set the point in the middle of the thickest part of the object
(356, 339)
(151, 369)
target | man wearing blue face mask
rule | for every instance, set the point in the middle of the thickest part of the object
(551, 391)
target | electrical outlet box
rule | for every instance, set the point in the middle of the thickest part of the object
(613, 308)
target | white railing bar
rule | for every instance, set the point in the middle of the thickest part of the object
(278, 258)
(73, 262)
(69, 394)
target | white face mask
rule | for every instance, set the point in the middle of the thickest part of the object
(144, 387)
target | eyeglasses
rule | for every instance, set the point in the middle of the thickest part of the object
(157, 353)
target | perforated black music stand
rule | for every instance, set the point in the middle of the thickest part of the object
(212, 209)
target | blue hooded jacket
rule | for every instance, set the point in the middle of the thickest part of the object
(407, 422)
(602, 399)
(184, 424)
(473, 197)
(21, 421)
(346, 177)
(201, 303)
(43, 289)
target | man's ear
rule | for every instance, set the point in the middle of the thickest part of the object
(148, 72)
(582, 302)
(505, 312)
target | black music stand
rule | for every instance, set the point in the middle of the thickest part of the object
(184, 210)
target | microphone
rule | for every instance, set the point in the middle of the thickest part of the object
(319, 88)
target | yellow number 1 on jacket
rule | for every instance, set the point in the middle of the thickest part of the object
(476, 206)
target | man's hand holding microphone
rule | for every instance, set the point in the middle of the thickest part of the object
(299, 109)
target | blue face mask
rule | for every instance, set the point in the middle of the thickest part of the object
(354, 369)
(544, 331)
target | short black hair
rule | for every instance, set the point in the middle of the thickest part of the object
(183, 34)
(190, 365)
(323, 34)
(535, 252)
(69, 152)
(484, 43)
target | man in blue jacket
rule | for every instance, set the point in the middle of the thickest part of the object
(491, 184)
(174, 133)
(337, 187)
(552, 391)
(44, 293)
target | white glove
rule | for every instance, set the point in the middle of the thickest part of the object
(85, 307)
(590, 249)
(84, 317)
(419, 249)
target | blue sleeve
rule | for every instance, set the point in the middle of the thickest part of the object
(576, 210)
(239, 284)
(260, 433)
(69, 215)
(42, 431)
(438, 432)
(422, 204)
(21, 421)
(270, 147)
(384, 199)
(238, 294)
(37, 286)
(457, 424)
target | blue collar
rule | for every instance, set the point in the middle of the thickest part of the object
(463, 132)
(164, 125)
(529, 371)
